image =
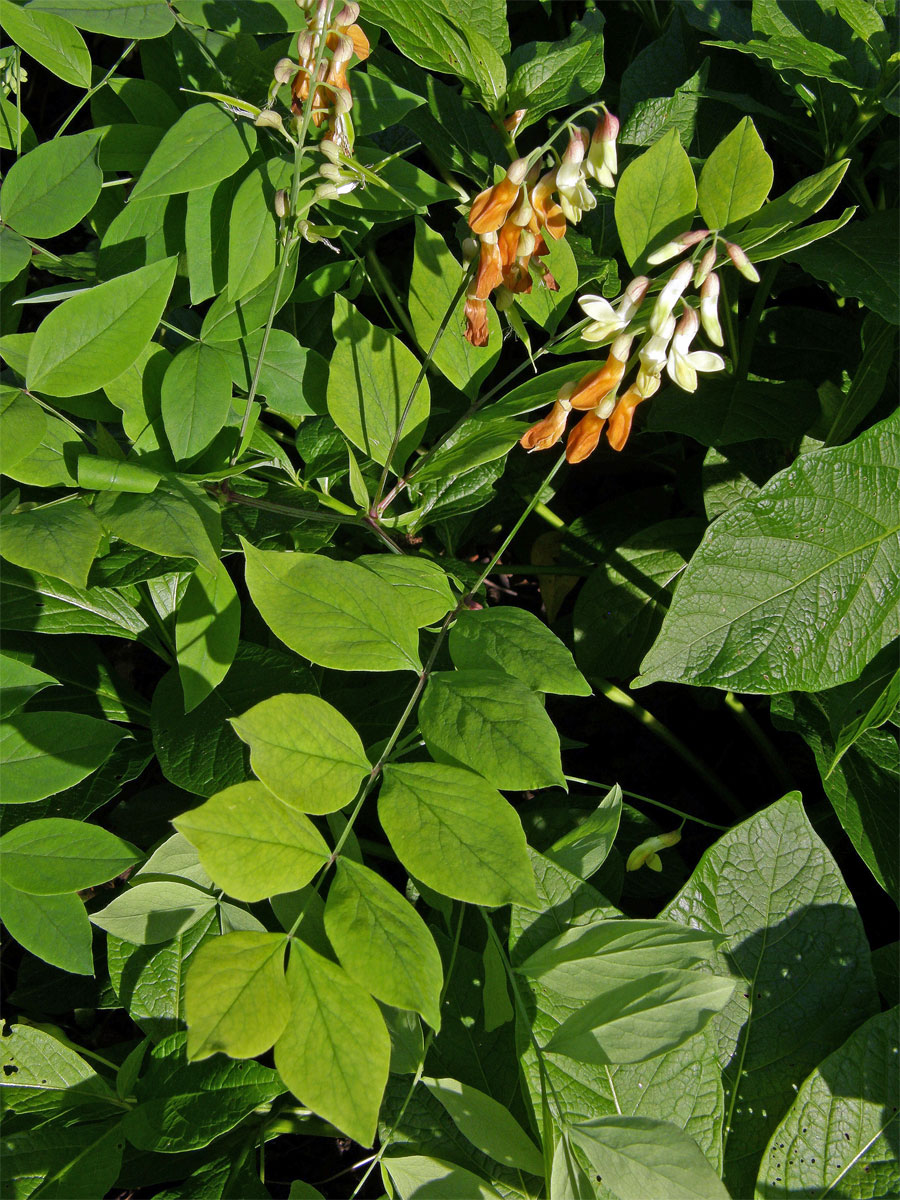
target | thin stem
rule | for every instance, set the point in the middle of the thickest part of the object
(655, 726)
(751, 324)
(605, 787)
(288, 510)
(375, 267)
(92, 91)
(760, 740)
(731, 337)
(548, 515)
(18, 103)
(181, 332)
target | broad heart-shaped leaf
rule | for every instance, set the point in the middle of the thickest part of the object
(640, 1157)
(455, 833)
(797, 587)
(489, 1126)
(494, 724)
(18, 683)
(90, 339)
(251, 844)
(53, 928)
(50, 40)
(420, 1175)
(382, 942)
(796, 940)
(519, 643)
(195, 399)
(421, 581)
(204, 146)
(839, 1126)
(58, 855)
(371, 379)
(59, 539)
(184, 1106)
(207, 626)
(236, 999)
(154, 912)
(336, 614)
(42, 753)
(435, 279)
(655, 198)
(52, 187)
(304, 751)
(335, 1053)
(178, 520)
(736, 178)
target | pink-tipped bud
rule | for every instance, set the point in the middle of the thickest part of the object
(742, 262)
(709, 309)
(348, 14)
(669, 296)
(707, 262)
(603, 151)
(517, 170)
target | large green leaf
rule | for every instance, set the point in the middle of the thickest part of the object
(370, 381)
(796, 941)
(42, 753)
(47, 1074)
(54, 928)
(517, 642)
(820, 538)
(252, 235)
(304, 751)
(860, 262)
(154, 912)
(655, 198)
(236, 999)
(58, 855)
(736, 177)
(487, 1125)
(195, 399)
(52, 187)
(177, 520)
(422, 582)
(43, 604)
(419, 1175)
(382, 942)
(842, 1125)
(492, 723)
(336, 614)
(61, 1162)
(59, 539)
(207, 626)
(50, 40)
(90, 339)
(551, 75)
(318, 1056)
(18, 683)
(292, 378)
(22, 425)
(203, 147)
(435, 279)
(113, 18)
(453, 831)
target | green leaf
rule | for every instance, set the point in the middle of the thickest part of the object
(318, 1056)
(236, 999)
(154, 912)
(422, 582)
(49, 40)
(382, 942)
(484, 438)
(519, 643)
(793, 206)
(42, 604)
(22, 426)
(206, 227)
(818, 538)
(92, 338)
(203, 147)
(195, 399)
(493, 723)
(145, 231)
(640, 1157)
(18, 683)
(114, 18)
(731, 411)
(547, 306)
(177, 520)
(58, 855)
(433, 33)
(568, 1179)
(621, 607)
(252, 844)
(436, 276)
(860, 262)
(839, 1125)
(304, 751)
(53, 928)
(655, 198)
(869, 380)
(252, 235)
(457, 834)
(228, 320)
(419, 1176)
(55, 185)
(489, 1126)
(60, 539)
(736, 178)
(863, 703)
(586, 847)
(43, 753)
(292, 378)
(47, 1074)
(370, 381)
(336, 614)
(378, 104)
(207, 625)
(796, 940)
(15, 255)
(114, 475)
(551, 75)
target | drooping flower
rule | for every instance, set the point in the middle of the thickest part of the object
(575, 197)
(742, 262)
(602, 159)
(606, 320)
(683, 363)
(583, 439)
(547, 432)
(548, 216)
(597, 385)
(623, 414)
(491, 207)
(646, 853)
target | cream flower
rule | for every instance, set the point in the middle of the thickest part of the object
(683, 364)
(606, 320)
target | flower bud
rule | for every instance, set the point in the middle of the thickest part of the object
(709, 309)
(646, 853)
(281, 203)
(285, 70)
(306, 47)
(348, 14)
(330, 171)
(707, 262)
(342, 101)
(742, 262)
(669, 296)
(267, 118)
(514, 120)
(602, 162)
(469, 250)
(526, 244)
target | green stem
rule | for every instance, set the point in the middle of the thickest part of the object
(751, 324)
(288, 510)
(656, 727)
(734, 348)
(376, 269)
(92, 91)
(760, 740)
(605, 787)
(549, 516)
(18, 105)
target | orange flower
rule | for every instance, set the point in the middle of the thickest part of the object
(345, 22)
(622, 416)
(598, 384)
(584, 437)
(545, 433)
(477, 332)
(490, 269)
(490, 208)
(548, 216)
(508, 240)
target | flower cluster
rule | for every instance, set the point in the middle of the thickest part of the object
(513, 219)
(664, 343)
